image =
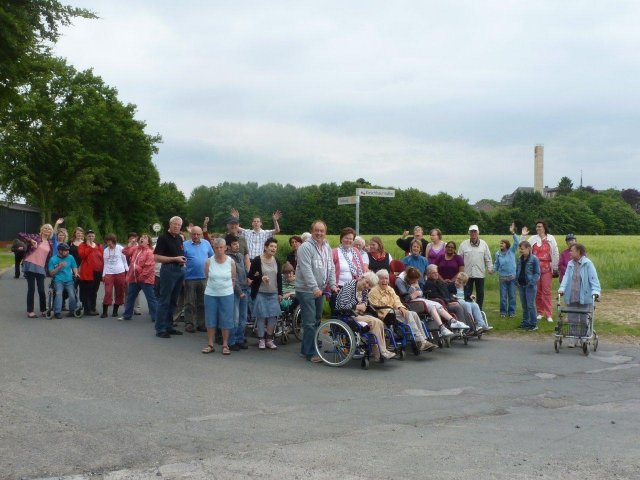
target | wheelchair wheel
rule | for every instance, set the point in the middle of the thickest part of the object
(556, 346)
(296, 321)
(465, 339)
(595, 342)
(335, 343)
(585, 348)
(78, 312)
(364, 363)
(402, 354)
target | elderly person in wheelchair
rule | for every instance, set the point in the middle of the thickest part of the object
(385, 301)
(352, 300)
(436, 289)
(411, 294)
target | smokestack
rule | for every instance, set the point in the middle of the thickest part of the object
(538, 169)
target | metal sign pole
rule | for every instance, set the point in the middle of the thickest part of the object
(357, 215)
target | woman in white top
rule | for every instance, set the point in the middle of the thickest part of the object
(347, 259)
(114, 275)
(220, 271)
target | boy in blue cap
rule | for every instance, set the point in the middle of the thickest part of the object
(63, 269)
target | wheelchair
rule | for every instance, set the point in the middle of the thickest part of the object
(342, 338)
(51, 296)
(289, 322)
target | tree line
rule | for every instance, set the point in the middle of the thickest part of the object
(581, 211)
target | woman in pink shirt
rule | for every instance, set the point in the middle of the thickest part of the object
(39, 249)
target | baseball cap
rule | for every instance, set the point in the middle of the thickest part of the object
(63, 246)
(570, 236)
(232, 220)
(474, 227)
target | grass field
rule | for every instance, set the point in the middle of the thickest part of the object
(6, 260)
(617, 260)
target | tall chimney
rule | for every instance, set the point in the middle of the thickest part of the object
(538, 169)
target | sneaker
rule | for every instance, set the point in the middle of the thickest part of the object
(136, 311)
(163, 335)
(58, 316)
(487, 328)
(234, 348)
(512, 315)
(549, 319)
(533, 329)
(243, 346)
(459, 324)
(523, 327)
(539, 317)
(502, 315)
(261, 344)
(388, 355)
(123, 319)
(315, 359)
(445, 332)
(271, 344)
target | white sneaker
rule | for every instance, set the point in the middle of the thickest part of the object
(486, 328)
(271, 345)
(549, 319)
(539, 317)
(261, 344)
(459, 324)
(445, 332)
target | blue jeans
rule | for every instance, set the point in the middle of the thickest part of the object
(508, 297)
(60, 287)
(132, 294)
(528, 301)
(472, 308)
(239, 319)
(171, 277)
(218, 312)
(311, 312)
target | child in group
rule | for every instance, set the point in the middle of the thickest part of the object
(63, 269)
(237, 340)
(470, 308)
(505, 267)
(288, 301)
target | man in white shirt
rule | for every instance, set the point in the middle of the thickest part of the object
(477, 261)
(257, 236)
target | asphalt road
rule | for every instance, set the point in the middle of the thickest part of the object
(98, 398)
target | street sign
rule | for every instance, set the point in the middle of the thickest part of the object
(157, 227)
(375, 192)
(347, 200)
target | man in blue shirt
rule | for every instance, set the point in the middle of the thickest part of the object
(196, 252)
(63, 269)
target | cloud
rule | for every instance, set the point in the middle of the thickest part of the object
(458, 91)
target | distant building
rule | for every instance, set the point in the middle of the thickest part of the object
(16, 217)
(546, 193)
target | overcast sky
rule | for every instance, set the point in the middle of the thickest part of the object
(438, 95)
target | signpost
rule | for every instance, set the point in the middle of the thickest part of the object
(364, 192)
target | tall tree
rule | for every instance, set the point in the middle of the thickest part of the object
(68, 145)
(565, 186)
(27, 29)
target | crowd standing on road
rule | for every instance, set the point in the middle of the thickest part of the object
(226, 281)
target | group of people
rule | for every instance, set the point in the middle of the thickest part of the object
(228, 275)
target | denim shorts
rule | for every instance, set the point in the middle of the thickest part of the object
(218, 311)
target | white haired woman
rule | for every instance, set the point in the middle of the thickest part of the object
(382, 295)
(353, 297)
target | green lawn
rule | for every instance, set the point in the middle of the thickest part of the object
(6, 260)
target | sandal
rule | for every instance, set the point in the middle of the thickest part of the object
(225, 350)
(208, 349)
